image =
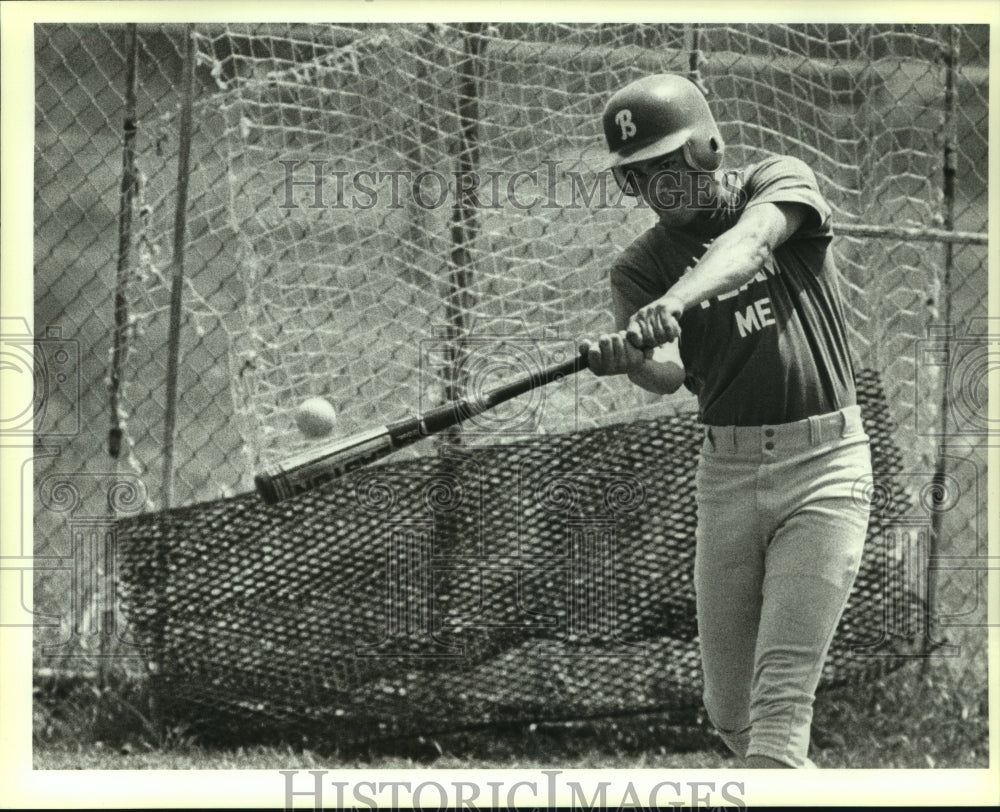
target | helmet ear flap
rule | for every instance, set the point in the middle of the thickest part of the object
(706, 156)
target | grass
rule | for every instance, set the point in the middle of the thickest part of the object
(905, 720)
(269, 758)
(910, 720)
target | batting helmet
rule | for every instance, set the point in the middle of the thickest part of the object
(657, 115)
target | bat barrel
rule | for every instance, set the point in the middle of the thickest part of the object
(316, 467)
(267, 488)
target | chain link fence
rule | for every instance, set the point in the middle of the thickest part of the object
(892, 118)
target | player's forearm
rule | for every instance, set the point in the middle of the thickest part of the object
(658, 370)
(658, 377)
(731, 261)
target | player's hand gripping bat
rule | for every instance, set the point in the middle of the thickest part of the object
(317, 466)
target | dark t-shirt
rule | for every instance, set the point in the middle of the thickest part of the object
(775, 350)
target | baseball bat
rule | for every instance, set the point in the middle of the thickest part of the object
(317, 466)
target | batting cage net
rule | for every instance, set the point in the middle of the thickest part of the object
(391, 216)
(525, 582)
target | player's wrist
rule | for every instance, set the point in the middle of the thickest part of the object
(635, 358)
(658, 377)
(674, 304)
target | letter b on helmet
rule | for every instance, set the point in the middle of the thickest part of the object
(657, 115)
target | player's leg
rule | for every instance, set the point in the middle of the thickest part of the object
(811, 564)
(729, 567)
(766, 763)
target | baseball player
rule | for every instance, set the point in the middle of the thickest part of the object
(733, 294)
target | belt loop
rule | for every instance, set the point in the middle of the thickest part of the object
(709, 437)
(843, 422)
(815, 430)
(734, 447)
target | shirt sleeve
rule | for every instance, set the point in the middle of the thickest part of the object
(635, 279)
(789, 180)
(628, 293)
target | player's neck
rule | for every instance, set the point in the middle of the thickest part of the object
(707, 222)
(717, 216)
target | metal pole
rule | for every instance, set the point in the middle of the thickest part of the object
(464, 222)
(128, 189)
(948, 188)
(692, 46)
(119, 349)
(177, 288)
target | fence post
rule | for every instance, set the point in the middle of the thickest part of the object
(692, 46)
(119, 348)
(464, 222)
(177, 287)
(951, 54)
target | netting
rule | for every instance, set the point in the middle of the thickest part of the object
(520, 583)
(390, 300)
(396, 216)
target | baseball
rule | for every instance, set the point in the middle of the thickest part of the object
(315, 417)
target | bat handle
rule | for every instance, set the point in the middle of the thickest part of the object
(451, 414)
(536, 379)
